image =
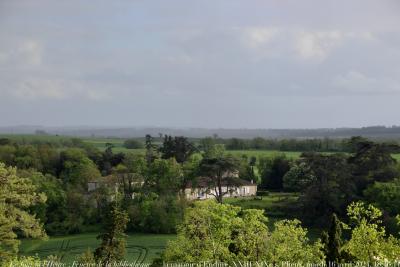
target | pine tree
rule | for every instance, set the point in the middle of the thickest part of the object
(333, 241)
(113, 243)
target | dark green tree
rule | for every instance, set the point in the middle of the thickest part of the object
(219, 173)
(372, 162)
(77, 169)
(332, 241)
(331, 188)
(112, 247)
(133, 144)
(110, 160)
(273, 170)
(178, 147)
(150, 149)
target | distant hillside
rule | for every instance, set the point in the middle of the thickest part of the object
(372, 132)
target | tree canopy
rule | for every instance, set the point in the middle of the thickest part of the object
(16, 196)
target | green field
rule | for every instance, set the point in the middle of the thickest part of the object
(141, 248)
(275, 204)
(263, 153)
(118, 145)
(100, 143)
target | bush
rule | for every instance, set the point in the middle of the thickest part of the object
(133, 144)
(262, 193)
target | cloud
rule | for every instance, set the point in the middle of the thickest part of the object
(180, 59)
(307, 45)
(97, 95)
(28, 53)
(31, 52)
(255, 37)
(37, 89)
(32, 89)
(359, 83)
(317, 45)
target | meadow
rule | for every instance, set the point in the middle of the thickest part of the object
(144, 248)
(140, 248)
(118, 145)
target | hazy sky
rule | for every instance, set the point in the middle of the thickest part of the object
(189, 63)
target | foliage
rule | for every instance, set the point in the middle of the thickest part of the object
(133, 144)
(177, 147)
(332, 241)
(151, 151)
(372, 162)
(289, 243)
(109, 159)
(272, 171)
(78, 169)
(385, 195)
(16, 195)
(298, 178)
(331, 190)
(224, 233)
(164, 176)
(368, 241)
(151, 213)
(113, 243)
(249, 235)
(204, 235)
(22, 261)
(53, 212)
(210, 148)
(302, 145)
(87, 257)
(247, 168)
(219, 173)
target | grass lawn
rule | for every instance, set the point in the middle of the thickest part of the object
(274, 204)
(263, 153)
(142, 248)
(396, 156)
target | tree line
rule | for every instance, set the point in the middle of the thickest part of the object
(151, 198)
(288, 144)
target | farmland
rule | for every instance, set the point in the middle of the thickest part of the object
(144, 248)
(141, 248)
(118, 145)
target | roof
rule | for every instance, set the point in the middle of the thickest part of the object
(206, 181)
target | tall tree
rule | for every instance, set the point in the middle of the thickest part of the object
(372, 162)
(273, 170)
(331, 188)
(16, 196)
(150, 149)
(220, 175)
(332, 241)
(77, 169)
(178, 147)
(112, 247)
(164, 176)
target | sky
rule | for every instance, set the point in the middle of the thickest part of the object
(200, 63)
